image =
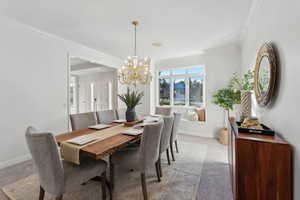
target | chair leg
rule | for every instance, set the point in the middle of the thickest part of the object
(159, 165)
(109, 189)
(172, 151)
(168, 156)
(103, 185)
(42, 193)
(59, 197)
(144, 186)
(176, 145)
(111, 173)
(157, 171)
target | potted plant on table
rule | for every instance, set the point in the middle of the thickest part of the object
(245, 85)
(226, 98)
(131, 99)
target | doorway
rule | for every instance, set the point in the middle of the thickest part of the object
(91, 86)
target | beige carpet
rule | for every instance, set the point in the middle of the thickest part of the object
(180, 181)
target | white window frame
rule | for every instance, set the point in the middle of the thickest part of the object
(186, 77)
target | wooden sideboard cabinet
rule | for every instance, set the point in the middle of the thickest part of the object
(260, 166)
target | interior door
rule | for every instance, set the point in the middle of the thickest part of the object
(85, 97)
(102, 94)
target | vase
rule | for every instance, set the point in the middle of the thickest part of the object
(130, 115)
(245, 105)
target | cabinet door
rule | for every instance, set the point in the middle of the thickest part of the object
(264, 170)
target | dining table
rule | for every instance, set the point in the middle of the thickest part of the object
(100, 149)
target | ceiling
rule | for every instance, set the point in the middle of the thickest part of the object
(183, 27)
(80, 66)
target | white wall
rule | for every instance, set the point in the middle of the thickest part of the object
(220, 63)
(33, 84)
(278, 21)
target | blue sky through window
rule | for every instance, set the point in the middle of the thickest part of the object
(196, 70)
(164, 72)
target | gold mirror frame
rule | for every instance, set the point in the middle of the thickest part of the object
(265, 51)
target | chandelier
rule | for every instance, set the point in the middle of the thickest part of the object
(135, 70)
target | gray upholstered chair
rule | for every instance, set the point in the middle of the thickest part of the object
(57, 176)
(163, 110)
(165, 140)
(145, 156)
(83, 120)
(121, 113)
(106, 116)
(177, 118)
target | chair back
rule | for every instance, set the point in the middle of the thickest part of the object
(166, 133)
(83, 120)
(106, 116)
(177, 118)
(121, 113)
(47, 160)
(166, 111)
(149, 147)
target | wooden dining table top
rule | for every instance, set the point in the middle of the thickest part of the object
(102, 148)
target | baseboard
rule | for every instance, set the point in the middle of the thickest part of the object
(14, 161)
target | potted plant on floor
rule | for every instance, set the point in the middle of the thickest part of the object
(226, 98)
(131, 99)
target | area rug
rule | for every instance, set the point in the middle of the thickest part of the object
(180, 181)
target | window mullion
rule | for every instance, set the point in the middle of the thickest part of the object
(172, 91)
(187, 91)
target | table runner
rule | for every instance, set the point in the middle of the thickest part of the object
(70, 152)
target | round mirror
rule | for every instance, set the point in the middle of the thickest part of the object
(265, 74)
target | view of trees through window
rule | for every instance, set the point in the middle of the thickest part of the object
(182, 87)
(164, 91)
(196, 91)
(179, 91)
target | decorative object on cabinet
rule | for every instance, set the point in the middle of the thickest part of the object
(260, 166)
(245, 86)
(265, 74)
(259, 129)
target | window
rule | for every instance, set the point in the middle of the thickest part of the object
(182, 86)
(196, 91)
(178, 71)
(164, 72)
(164, 91)
(179, 91)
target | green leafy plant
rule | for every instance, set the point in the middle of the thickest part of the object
(164, 102)
(242, 84)
(226, 98)
(131, 98)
